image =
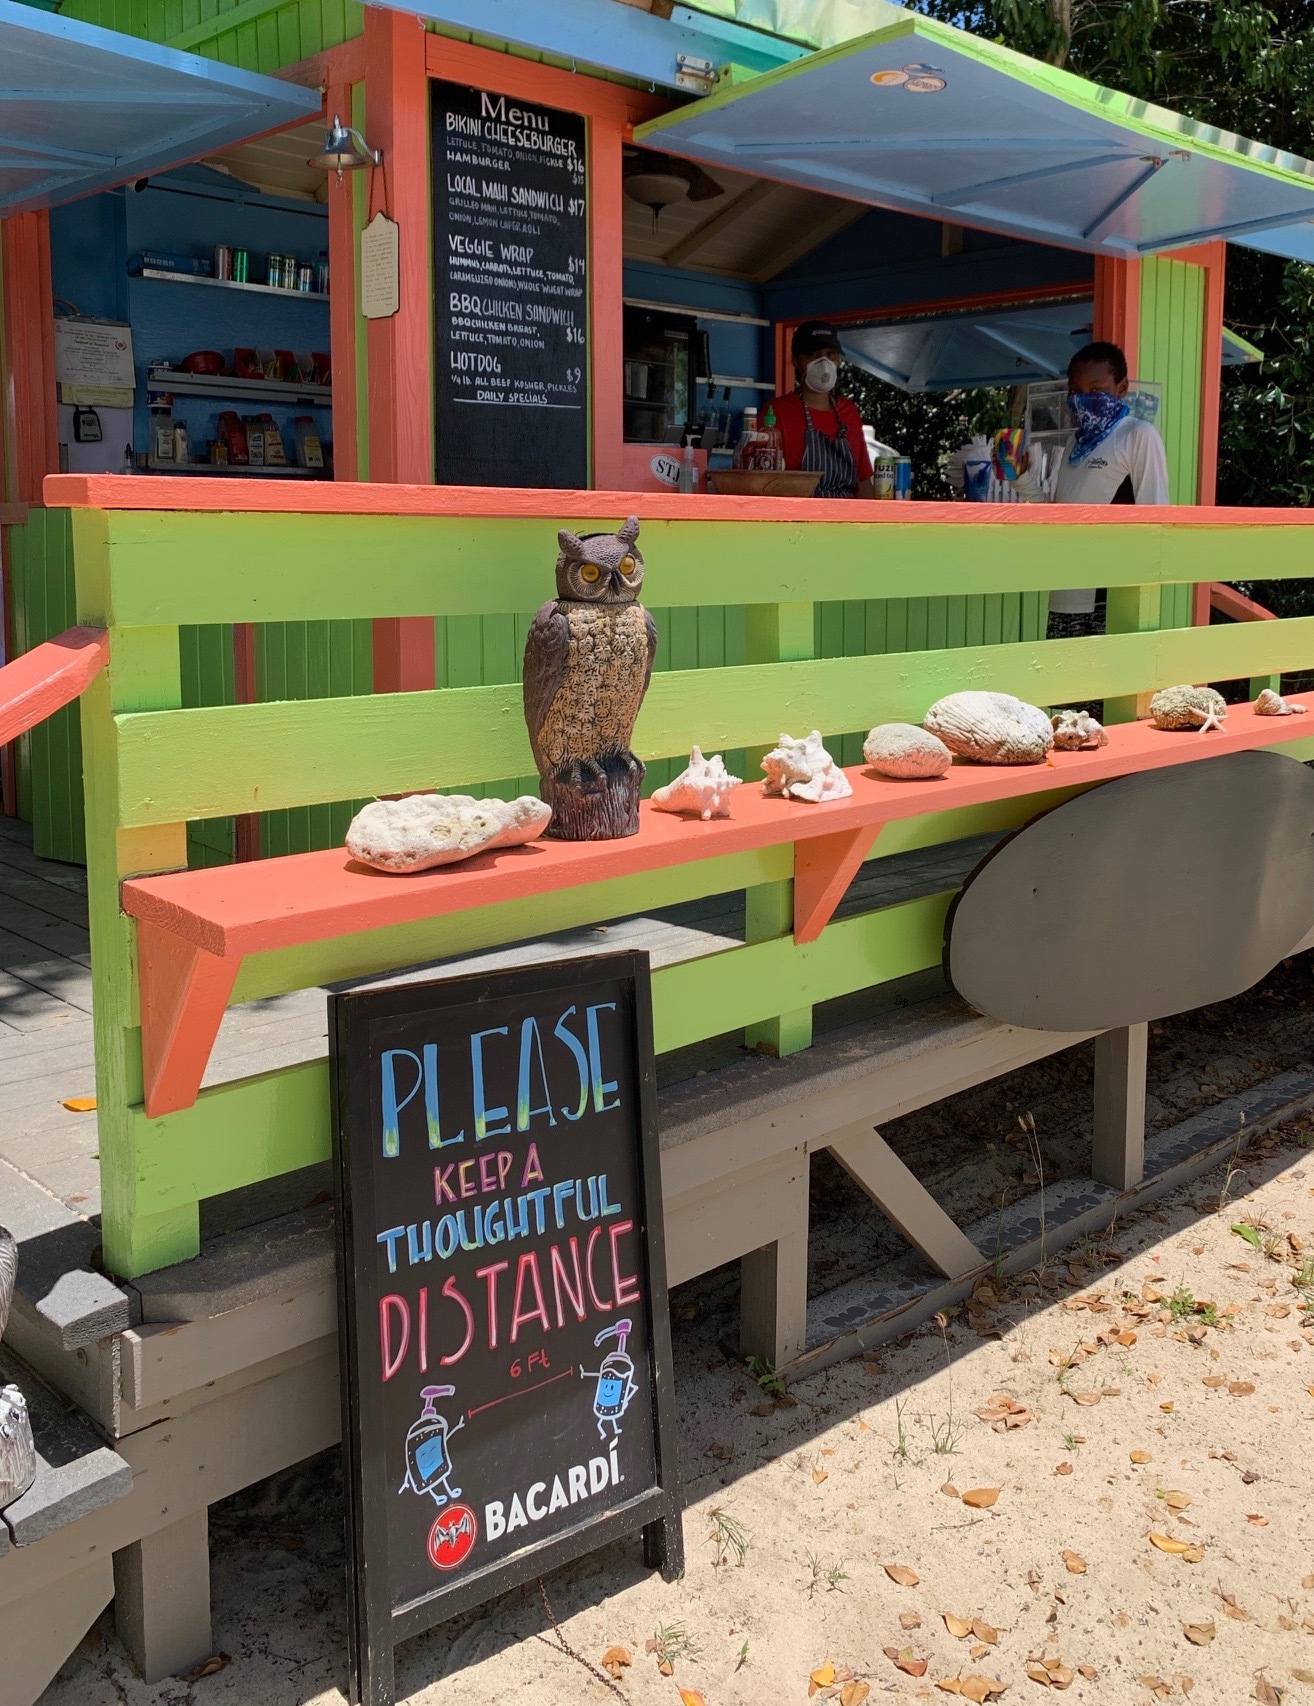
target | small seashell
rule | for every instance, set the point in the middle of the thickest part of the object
(804, 770)
(704, 786)
(1270, 704)
(991, 728)
(1188, 707)
(421, 831)
(905, 751)
(1075, 730)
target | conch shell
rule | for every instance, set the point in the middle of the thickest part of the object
(804, 770)
(991, 728)
(703, 786)
(904, 751)
(1270, 704)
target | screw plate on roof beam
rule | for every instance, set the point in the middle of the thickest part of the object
(693, 73)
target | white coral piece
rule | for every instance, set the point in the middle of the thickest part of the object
(1075, 730)
(422, 831)
(1270, 704)
(904, 751)
(1187, 707)
(991, 728)
(804, 770)
(703, 786)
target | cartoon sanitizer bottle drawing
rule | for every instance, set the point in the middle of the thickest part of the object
(616, 1382)
(428, 1465)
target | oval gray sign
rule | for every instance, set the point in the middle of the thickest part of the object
(1146, 896)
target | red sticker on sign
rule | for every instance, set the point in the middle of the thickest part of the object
(452, 1537)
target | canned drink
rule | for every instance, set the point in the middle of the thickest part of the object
(883, 476)
(322, 275)
(305, 276)
(274, 271)
(240, 261)
(903, 477)
(223, 261)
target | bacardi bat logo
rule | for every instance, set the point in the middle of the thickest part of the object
(452, 1537)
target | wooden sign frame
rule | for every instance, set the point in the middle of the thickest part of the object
(376, 1622)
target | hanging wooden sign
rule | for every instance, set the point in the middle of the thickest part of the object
(506, 1370)
(380, 270)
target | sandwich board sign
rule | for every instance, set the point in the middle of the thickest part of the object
(507, 1388)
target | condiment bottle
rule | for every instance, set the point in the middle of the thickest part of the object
(747, 438)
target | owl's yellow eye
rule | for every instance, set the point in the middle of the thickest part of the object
(590, 572)
(627, 565)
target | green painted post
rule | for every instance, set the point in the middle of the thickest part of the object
(145, 674)
(1132, 610)
(775, 633)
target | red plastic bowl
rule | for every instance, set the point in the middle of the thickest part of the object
(206, 361)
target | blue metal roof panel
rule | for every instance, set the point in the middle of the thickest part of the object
(82, 108)
(927, 119)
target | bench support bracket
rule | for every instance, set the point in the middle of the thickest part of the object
(184, 991)
(1118, 1157)
(864, 1154)
(824, 866)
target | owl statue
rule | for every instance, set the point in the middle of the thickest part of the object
(588, 661)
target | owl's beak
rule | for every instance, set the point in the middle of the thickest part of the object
(617, 580)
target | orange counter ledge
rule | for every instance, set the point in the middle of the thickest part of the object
(195, 927)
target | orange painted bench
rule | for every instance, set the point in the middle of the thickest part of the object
(195, 927)
(49, 677)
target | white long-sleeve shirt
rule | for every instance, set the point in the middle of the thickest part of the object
(1134, 451)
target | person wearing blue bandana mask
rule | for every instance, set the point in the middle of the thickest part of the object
(1114, 458)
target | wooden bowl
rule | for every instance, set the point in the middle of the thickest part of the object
(755, 483)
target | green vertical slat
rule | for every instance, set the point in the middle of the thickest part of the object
(205, 658)
(50, 791)
(1171, 349)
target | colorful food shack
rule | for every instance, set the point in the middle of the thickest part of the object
(320, 323)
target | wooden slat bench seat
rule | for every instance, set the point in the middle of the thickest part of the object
(195, 928)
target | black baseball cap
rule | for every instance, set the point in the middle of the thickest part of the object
(811, 336)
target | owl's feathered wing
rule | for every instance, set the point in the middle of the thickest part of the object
(547, 652)
(649, 628)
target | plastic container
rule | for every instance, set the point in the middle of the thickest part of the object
(747, 438)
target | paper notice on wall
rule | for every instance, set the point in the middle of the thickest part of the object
(94, 357)
(380, 289)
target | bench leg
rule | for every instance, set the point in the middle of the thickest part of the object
(902, 1198)
(773, 1300)
(162, 1597)
(1118, 1157)
(39, 1632)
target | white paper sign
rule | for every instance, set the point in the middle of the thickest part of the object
(380, 290)
(94, 354)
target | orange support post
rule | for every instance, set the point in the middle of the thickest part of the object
(606, 308)
(342, 302)
(1118, 306)
(1214, 261)
(32, 429)
(400, 347)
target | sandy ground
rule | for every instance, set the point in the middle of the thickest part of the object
(1161, 1382)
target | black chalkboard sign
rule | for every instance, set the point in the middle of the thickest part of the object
(510, 233)
(507, 1387)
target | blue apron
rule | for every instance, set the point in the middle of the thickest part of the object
(832, 458)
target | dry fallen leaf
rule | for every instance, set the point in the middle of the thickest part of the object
(666, 1667)
(1167, 1408)
(1199, 1634)
(762, 1410)
(900, 1573)
(211, 1667)
(1166, 1543)
(1266, 1694)
(909, 1620)
(980, 1498)
(1075, 1562)
(1050, 1673)
(820, 1475)
(1089, 1672)
(854, 1693)
(824, 1674)
(87, 1105)
(1214, 1380)
(614, 1661)
(691, 1697)
(985, 1632)
(1085, 1397)
(949, 1490)
(1305, 1676)
(1063, 1469)
(1255, 1520)
(1240, 1388)
(958, 1627)
(906, 1660)
(1177, 1501)
(1307, 1581)
(1140, 1456)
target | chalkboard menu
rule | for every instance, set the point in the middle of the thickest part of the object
(506, 1376)
(510, 228)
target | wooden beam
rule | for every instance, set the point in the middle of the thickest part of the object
(812, 236)
(1118, 305)
(162, 1597)
(1118, 1156)
(184, 991)
(725, 216)
(606, 345)
(31, 428)
(49, 677)
(902, 1198)
(823, 869)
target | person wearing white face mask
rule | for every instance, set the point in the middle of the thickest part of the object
(822, 431)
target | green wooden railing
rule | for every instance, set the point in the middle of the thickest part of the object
(156, 765)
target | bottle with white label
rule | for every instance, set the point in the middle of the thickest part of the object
(161, 429)
(747, 438)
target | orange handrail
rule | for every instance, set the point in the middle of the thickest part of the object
(48, 677)
(1229, 602)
